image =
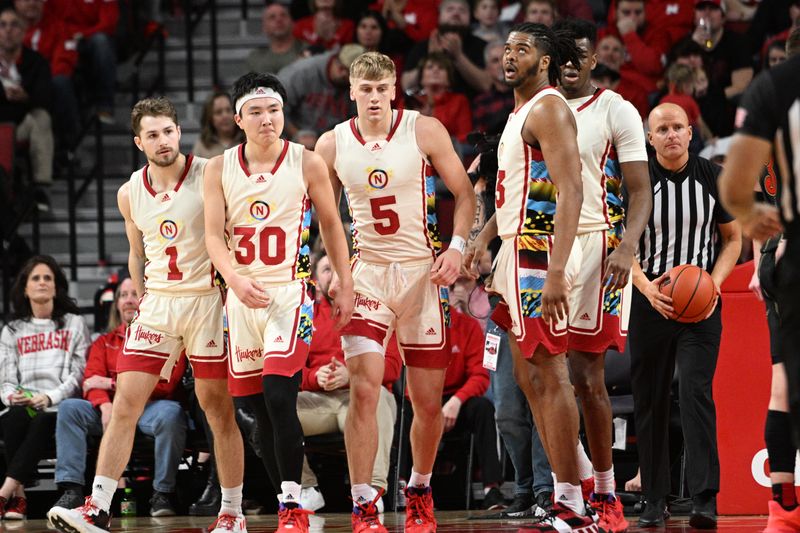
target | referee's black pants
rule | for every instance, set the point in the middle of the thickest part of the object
(788, 298)
(656, 345)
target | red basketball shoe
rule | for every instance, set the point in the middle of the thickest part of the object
(609, 513)
(365, 517)
(419, 510)
(782, 521)
(562, 519)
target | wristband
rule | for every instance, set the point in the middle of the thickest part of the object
(458, 243)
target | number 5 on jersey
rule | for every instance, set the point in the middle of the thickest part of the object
(387, 220)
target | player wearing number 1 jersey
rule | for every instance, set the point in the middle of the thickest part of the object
(385, 160)
(258, 200)
(180, 310)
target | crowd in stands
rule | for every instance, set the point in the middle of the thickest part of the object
(57, 385)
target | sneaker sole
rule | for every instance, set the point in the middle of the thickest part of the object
(702, 522)
(65, 526)
(163, 512)
(14, 516)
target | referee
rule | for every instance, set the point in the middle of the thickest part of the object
(768, 123)
(687, 226)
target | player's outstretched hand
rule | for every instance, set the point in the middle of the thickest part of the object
(658, 300)
(343, 302)
(763, 222)
(249, 292)
(472, 258)
(447, 267)
(555, 294)
(618, 269)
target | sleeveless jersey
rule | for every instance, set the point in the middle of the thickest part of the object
(525, 197)
(609, 133)
(390, 192)
(267, 216)
(173, 231)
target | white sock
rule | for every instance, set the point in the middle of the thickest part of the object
(584, 464)
(418, 480)
(103, 492)
(604, 481)
(570, 496)
(362, 492)
(231, 501)
(290, 492)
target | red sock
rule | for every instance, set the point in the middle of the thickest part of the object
(784, 494)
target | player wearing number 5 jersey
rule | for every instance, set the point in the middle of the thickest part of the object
(257, 211)
(385, 160)
(180, 310)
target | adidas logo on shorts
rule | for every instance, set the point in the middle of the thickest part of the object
(278, 339)
(211, 344)
(430, 331)
(585, 316)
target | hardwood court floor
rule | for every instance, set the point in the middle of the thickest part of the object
(449, 522)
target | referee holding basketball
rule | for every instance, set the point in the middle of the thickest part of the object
(687, 226)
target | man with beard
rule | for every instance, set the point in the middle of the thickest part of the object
(317, 90)
(453, 37)
(180, 311)
(612, 146)
(538, 205)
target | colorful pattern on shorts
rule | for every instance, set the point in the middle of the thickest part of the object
(532, 272)
(304, 326)
(431, 222)
(612, 301)
(444, 299)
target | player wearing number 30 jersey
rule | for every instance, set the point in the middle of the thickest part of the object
(386, 161)
(258, 200)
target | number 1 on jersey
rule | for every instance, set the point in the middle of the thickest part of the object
(174, 274)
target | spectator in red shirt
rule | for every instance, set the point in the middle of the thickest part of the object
(324, 400)
(416, 18)
(681, 80)
(325, 29)
(436, 98)
(465, 408)
(490, 110)
(163, 417)
(632, 85)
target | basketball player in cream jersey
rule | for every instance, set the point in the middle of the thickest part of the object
(385, 159)
(538, 201)
(611, 142)
(258, 200)
(180, 310)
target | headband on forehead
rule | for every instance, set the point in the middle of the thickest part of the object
(258, 92)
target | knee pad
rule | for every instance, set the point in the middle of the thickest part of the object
(778, 436)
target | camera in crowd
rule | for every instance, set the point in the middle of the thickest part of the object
(486, 145)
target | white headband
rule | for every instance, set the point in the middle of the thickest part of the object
(258, 92)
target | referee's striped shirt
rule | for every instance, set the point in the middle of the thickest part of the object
(683, 226)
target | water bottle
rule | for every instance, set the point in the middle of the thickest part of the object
(127, 507)
(705, 33)
(401, 494)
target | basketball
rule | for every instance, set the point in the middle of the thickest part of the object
(692, 291)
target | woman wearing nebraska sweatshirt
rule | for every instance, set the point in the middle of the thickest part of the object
(42, 357)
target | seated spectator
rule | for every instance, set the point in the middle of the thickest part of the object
(452, 37)
(794, 22)
(487, 22)
(92, 26)
(464, 406)
(324, 29)
(162, 419)
(681, 80)
(540, 12)
(283, 48)
(370, 31)
(42, 356)
(605, 78)
(436, 98)
(515, 11)
(776, 54)
(415, 18)
(318, 90)
(46, 33)
(727, 62)
(674, 17)
(324, 400)
(26, 95)
(218, 130)
(632, 85)
(490, 109)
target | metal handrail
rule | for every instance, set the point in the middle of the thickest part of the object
(193, 15)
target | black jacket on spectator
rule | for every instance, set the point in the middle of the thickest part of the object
(36, 81)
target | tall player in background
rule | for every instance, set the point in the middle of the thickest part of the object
(612, 146)
(538, 199)
(181, 309)
(385, 160)
(260, 193)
